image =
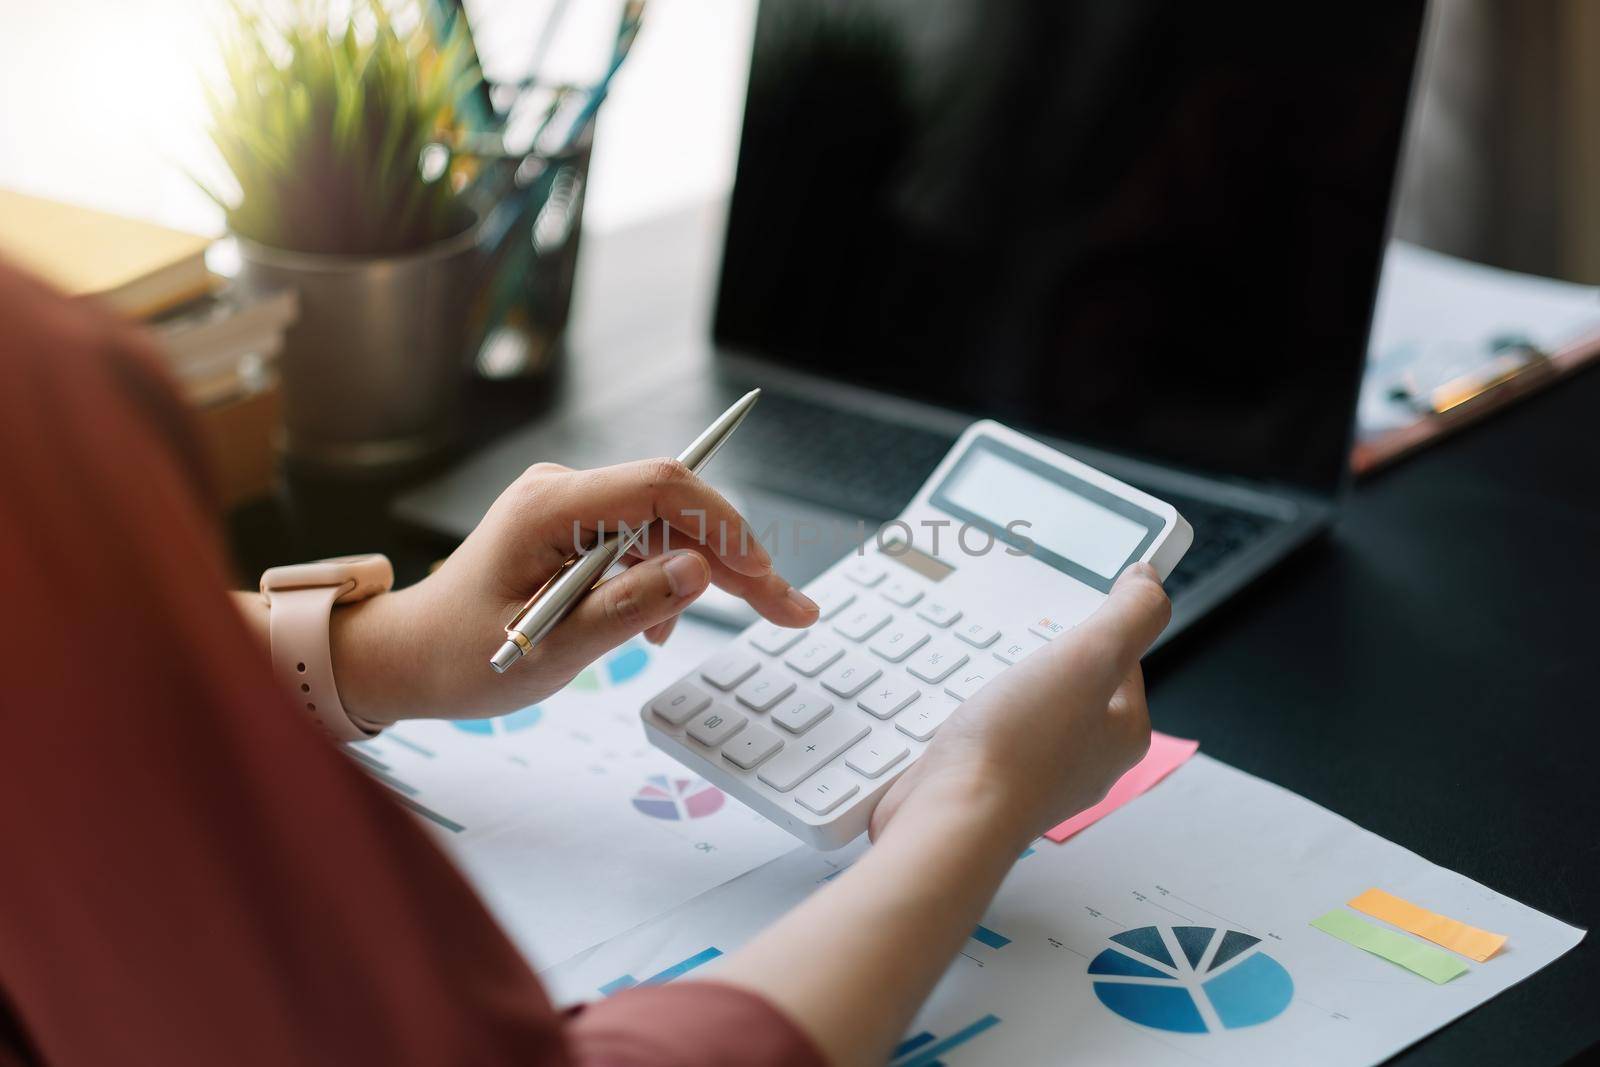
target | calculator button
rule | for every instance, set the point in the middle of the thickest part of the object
(800, 712)
(935, 662)
(774, 640)
(807, 755)
(968, 680)
(716, 726)
(1047, 627)
(862, 621)
(849, 676)
(901, 591)
(875, 755)
(827, 791)
(1018, 650)
(831, 600)
(938, 612)
(864, 572)
(923, 720)
(977, 634)
(813, 657)
(886, 697)
(754, 744)
(680, 702)
(765, 688)
(897, 642)
(729, 669)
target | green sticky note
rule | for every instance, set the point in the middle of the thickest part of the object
(1433, 964)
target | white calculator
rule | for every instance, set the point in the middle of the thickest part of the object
(1007, 545)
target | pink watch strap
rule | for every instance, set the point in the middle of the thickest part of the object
(303, 659)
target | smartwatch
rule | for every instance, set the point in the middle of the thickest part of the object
(300, 599)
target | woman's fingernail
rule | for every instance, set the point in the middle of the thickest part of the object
(805, 603)
(686, 574)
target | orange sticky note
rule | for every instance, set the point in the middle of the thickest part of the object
(1452, 934)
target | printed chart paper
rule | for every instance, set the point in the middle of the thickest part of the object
(569, 824)
(1182, 937)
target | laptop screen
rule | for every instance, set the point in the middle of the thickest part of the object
(1155, 227)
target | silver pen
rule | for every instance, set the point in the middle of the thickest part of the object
(583, 571)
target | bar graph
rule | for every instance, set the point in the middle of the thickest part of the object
(677, 970)
(924, 1049)
(985, 936)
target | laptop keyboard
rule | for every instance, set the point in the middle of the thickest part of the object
(831, 469)
(861, 465)
(1219, 532)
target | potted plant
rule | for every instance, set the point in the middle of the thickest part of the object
(337, 135)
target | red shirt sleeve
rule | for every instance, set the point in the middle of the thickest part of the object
(189, 873)
(693, 1024)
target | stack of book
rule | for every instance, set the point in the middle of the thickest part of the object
(221, 343)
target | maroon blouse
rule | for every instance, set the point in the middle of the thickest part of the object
(189, 874)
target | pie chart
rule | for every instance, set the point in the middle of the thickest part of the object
(1190, 979)
(677, 799)
(504, 724)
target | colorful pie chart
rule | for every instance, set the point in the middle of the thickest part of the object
(1190, 979)
(677, 799)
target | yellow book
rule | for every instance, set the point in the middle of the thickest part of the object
(138, 268)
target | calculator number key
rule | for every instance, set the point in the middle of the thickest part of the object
(801, 712)
(813, 657)
(716, 726)
(897, 642)
(775, 640)
(831, 600)
(680, 702)
(901, 591)
(864, 572)
(936, 662)
(729, 669)
(861, 622)
(764, 688)
(850, 675)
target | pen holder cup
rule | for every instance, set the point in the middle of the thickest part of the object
(533, 212)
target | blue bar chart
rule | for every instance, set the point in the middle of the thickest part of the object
(677, 970)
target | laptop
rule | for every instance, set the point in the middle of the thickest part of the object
(1146, 233)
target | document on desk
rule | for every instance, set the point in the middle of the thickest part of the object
(1177, 930)
(565, 819)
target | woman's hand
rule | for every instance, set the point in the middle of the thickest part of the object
(424, 651)
(1049, 737)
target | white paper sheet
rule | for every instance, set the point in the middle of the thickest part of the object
(539, 807)
(1210, 847)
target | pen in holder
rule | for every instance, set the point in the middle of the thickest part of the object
(531, 202)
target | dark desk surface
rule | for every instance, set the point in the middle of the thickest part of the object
(1428, 670)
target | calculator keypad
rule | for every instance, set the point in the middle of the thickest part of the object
(802, 708)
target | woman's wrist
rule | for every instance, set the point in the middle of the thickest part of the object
(968, 801)
(377, 662)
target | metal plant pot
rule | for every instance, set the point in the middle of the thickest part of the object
(374, 368)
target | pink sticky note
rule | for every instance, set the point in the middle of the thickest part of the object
(1165, 756)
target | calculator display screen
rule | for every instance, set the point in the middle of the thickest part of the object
(1064, 521)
